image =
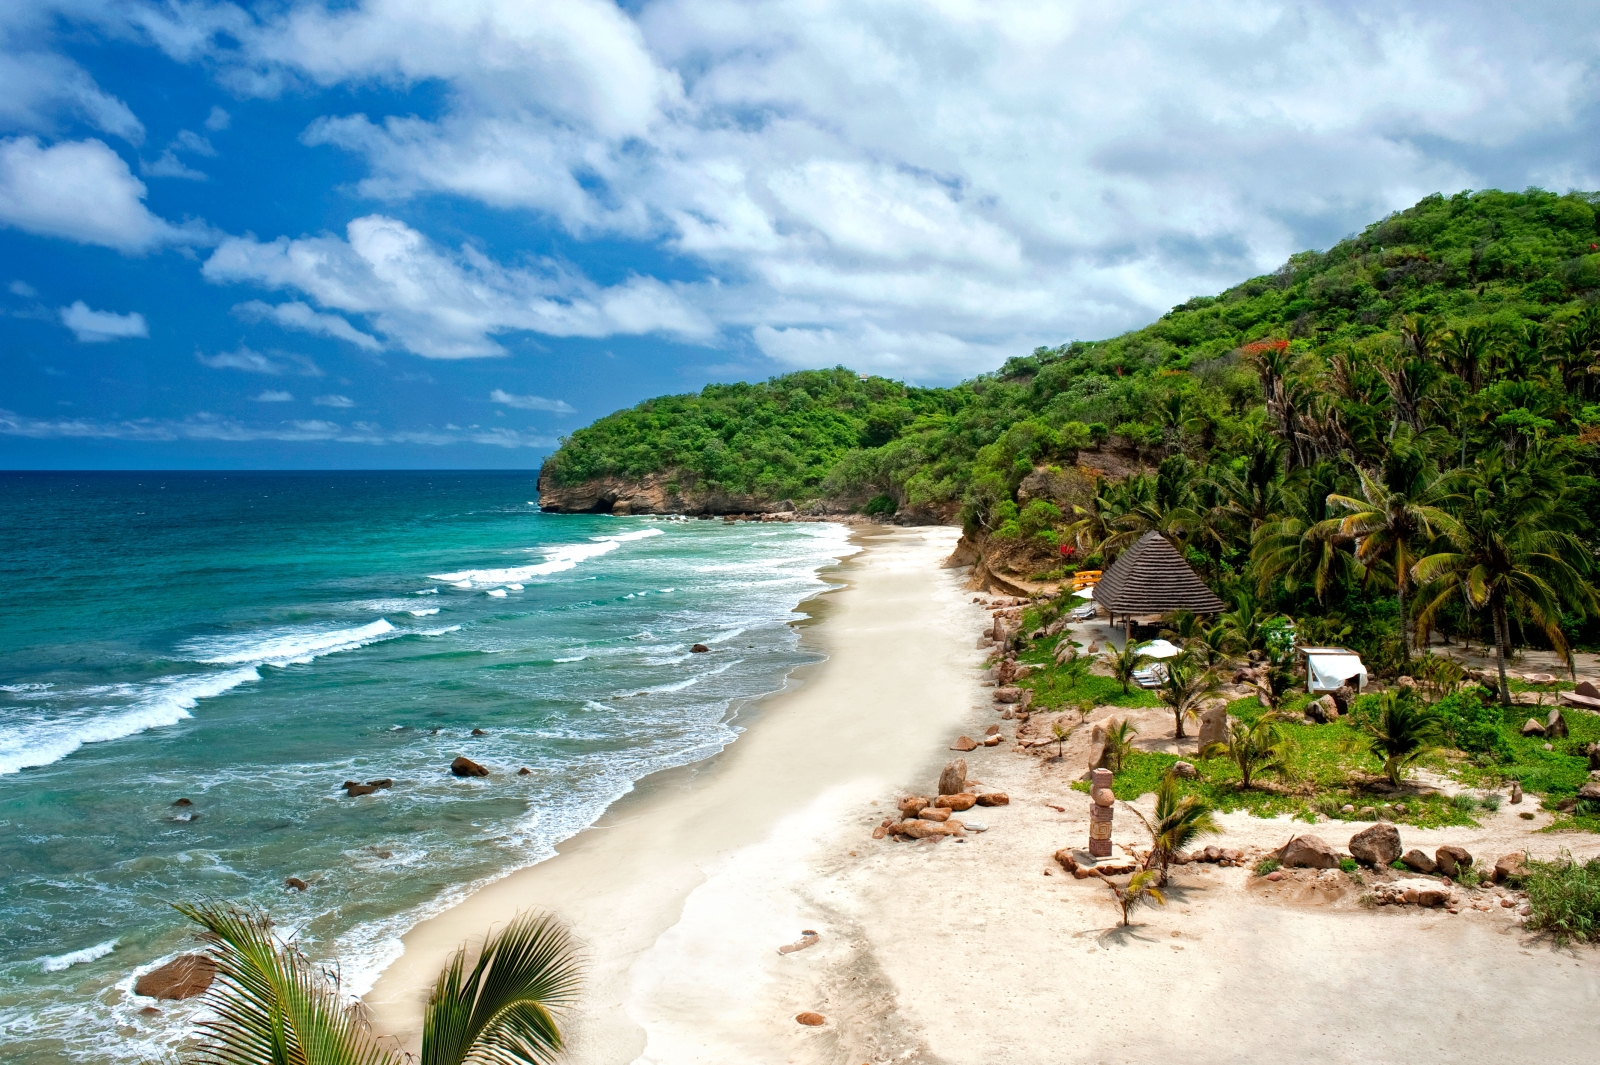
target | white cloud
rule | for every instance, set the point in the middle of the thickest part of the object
(91, 326)
(209, 427)
(334, 401)
(82, 191)
(23, 289)
(297, 315)
(274, 395)
(218, 120)
(35, 87)
(168, 164)
(448, 305)
(249, 361)
(554, 406)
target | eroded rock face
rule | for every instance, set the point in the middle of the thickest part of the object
(1376, 846)
(183, 977)
(1308, 852)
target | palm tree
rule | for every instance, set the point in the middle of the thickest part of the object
(1295, 550)
(1141, 889)
(1253, 748)
(1404, 729)
(1244, 626)
(1390, 517)
(1124, 663)
(1470, 350)
(1187, 683)
(1510, 546)
(1119, 743)
(1180, 820)
(271, 1006)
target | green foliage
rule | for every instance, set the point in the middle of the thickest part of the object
(1268, 865)
(1471, 723)
(1564, 898)
(1402, 730)
(1350, 865)
(880, 504)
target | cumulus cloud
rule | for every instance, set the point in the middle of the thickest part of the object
(554, 406)
(92, 327)
(218, 120)
(450, 305)
(299, 316)
(274, 395)
(249, 361)
(82, 191)
(209, 427)
(334, 401)
(37, 87)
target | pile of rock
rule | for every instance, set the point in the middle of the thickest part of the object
(1227, 856)
(1446, 861)
(921, 818)
(1553, 727)
(1414, 891)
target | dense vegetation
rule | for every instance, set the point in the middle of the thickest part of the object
(1388, 439)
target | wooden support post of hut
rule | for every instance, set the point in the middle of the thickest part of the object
(1152, 578)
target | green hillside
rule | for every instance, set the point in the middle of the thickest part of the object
(1459, 332)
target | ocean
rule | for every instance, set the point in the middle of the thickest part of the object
(250, 641)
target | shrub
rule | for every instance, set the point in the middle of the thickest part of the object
(880, 504)
(1564, 898)
(1267, 865)
(1349, 865)
(1471, 723)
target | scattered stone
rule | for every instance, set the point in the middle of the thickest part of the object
(1532, 728)
(994, 798)
(1276, 874)
(1307, 852)
(1419, 862)
(935, 813)
(953, 780)
(808, 938)
(1412, 892)
(1510, 866)
(1068, 862)
(188, 802)
(810, 1020)
(964, 743)
(1452, 860)
(1347, 809)
(1008, 695)
(1555, 726)
(1185, 769)
(1368, 813)
(466, 767)
(992, 730)
(295, 882)
(700, 649)
(922, 828)
(991, 741)
(880, 832)
(1323, 710)
(911, 807)
(1213, 724)
(974, 826)
(963, 801)
(183, 977)
(1376, 846)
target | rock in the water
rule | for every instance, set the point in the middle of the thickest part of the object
(1307, 852)
(1376, 846)
(810, 1020)
(1532, 728)
(1555, 726)
(353, 790)
(1184, 769)
(479, 732)
(185, 976)
(1008, 695)
(524, 772)
(1509, 867)
(699, 649)
(466, 767)
(1452, 859)
(994, 798)
(188, 802)
(1418, 862)
(295, 882)
(964, 743)
(381, 782)
(963, 801)
(953, 780)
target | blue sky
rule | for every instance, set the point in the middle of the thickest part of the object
(403, 233)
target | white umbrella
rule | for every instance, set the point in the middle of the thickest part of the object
(1160, 649)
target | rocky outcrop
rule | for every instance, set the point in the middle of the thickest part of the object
(654, 493)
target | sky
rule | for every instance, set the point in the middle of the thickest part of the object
(445, 233)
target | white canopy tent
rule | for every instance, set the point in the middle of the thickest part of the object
(1327, 668)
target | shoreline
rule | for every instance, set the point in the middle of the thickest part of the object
(623, 882)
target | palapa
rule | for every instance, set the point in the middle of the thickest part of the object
(1152, 578)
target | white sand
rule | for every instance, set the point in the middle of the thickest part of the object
(967, 951)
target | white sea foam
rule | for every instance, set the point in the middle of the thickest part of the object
(284, 647)
(556, 560)
(498, 593)
(574, 658)
(67, 961)
(426, 591)
(425, 613)
(515, 587)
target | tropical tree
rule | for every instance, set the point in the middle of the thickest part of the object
(1245, 625)
(270, 1005)
(1179, 821)
(1403, 730)
(1251, 747)
(1141, 889)
(1124, 663)
(1187, 682)
(1119, 742)
(1510, 545)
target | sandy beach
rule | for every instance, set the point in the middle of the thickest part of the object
(982, 949)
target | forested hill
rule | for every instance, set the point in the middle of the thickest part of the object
(1469, 321)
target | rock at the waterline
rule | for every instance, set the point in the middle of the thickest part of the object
(810, 1020)
(953, 780)
(524, 772)
(934, 813)
(964, 743)
(1555, 726)
(1184, 769)
(699, 649)
(1510, 867)
(466, 767)
(1419, 862)
(1452, 859)
(994, 798)
(1532, 727)
(185, 976)
(1376, 846)
(381, 782)
(912, 806)
(1307, 852)
(962, 801)
(1008, 695)
(188, 802)
(479, 732)
(353, 790)
(295, 882)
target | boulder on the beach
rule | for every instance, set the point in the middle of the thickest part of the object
(1008, 695)
(295, 882)
(699, 649)
(953, 780)
(1451, 859)
(963, 801)
(183, 977)
(810, 1020)
(1418, 862)
(1376, 846)
(964, 743)
(911, 807)
(934, 813)
(994, 798)
(1555, 726)
(1510, 867)
(1307, 852)
(466, 767)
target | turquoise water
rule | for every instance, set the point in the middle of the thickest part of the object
(251, 641)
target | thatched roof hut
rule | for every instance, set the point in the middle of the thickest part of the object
(1152, 578)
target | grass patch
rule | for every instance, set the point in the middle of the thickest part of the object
(1052, 690)
(1564, 898)
(1268, 865)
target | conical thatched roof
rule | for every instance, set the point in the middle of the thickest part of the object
(1152, 578)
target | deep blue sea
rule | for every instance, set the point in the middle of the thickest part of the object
(249, 641)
